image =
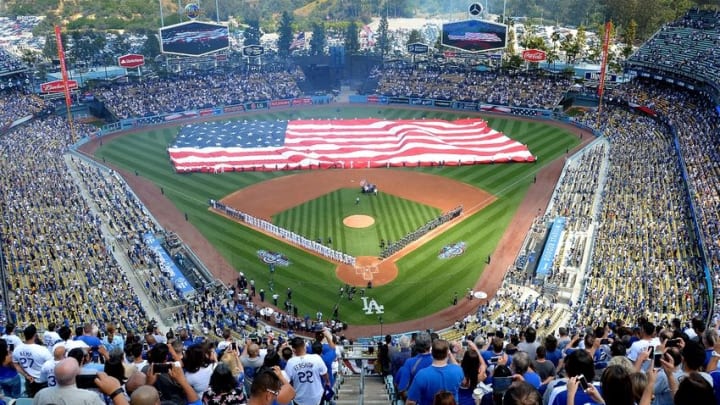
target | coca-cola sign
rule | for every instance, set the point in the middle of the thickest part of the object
(57, 86)
(132, 60)
(534, 55)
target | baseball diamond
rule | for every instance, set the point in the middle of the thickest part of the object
(423, 284)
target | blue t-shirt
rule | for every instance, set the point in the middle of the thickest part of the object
(533, 379)
(91, 341)
(405, 374)
(581, 398)
(465, 396)
(430, 380)
(554, 356)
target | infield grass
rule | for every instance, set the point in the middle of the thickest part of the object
(323, 218)
(425, 284)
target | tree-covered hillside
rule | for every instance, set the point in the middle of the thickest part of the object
(144, 14)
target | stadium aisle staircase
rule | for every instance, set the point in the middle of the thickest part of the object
(375, 392)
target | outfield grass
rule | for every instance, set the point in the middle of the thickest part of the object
(425, 284)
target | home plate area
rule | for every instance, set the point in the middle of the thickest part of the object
(367, 272)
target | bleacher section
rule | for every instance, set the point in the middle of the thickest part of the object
(687, 47)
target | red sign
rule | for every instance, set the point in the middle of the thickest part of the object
(534, 55)
(57, 86)
(449, 54)
(130, 61)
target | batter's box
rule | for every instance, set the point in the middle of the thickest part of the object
(367, 272)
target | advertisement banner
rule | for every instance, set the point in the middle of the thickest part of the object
(399, 100)
(280, 103)
(234, 108)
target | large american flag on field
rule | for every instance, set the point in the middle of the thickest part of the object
(358, 143)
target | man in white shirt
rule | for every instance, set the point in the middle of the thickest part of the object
(50, 337)
(307, 374)
(10, 337)
(28, 359)
(47, 372)
(647, 339)
(67, 342)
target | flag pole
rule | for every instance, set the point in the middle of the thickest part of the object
(66, 87)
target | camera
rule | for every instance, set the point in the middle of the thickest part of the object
(233, 346)
(494, 359)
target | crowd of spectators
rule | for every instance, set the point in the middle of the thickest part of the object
(74, 254)
(690, 46)
(645, 247)
(697, 125)
(15, 104)
(10, 63)
(57, 267)
(190, 91)
(521, 90)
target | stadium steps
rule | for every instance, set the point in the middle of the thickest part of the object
(375, 393)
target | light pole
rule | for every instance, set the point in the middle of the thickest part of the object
(381, 324)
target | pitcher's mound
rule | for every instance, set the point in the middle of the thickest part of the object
(358, 221)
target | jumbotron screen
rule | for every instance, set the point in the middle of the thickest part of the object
(474, 35)
(193, 38)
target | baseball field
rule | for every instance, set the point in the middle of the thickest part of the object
(425, 281)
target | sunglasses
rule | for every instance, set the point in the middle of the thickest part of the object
(276, 393)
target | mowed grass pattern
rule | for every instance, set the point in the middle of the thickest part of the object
(425, 283)
(323, 218)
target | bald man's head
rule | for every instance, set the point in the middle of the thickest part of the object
(136, 380)
(59, 352)
(66, 371)
(145, 395)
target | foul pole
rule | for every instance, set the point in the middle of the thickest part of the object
(603, 67)
(63, 70)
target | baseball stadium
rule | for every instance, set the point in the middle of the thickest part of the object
(324, 212)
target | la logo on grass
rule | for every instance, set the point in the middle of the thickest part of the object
(371, 306)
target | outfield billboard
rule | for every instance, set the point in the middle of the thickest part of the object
(474, 35)
(193, 38)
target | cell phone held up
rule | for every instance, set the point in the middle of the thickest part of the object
(583, 382)
(161, 368)
(657, 360)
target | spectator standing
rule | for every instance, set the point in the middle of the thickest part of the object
(223, 388)
(423, 344)
(10, 337)
(529, 345)
(29, 358)
(442, 375)
(251, 360)
(9, 377)
(50, 337)
(307, 373)
(66, 391)
(113, 340)
(398, 357)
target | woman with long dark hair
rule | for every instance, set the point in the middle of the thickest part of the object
(9, 377)
(224, 388)
(470, 365)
